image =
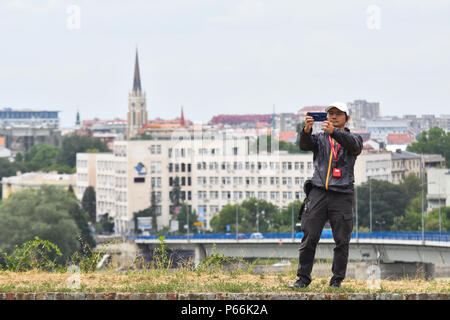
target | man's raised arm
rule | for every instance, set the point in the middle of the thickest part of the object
(349, 141)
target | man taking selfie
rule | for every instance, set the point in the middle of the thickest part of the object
(331, 197)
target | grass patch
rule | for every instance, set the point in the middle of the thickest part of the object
(187, 281)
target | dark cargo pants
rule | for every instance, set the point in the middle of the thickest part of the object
(338, 209)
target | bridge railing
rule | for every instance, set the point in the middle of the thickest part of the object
(326, 234)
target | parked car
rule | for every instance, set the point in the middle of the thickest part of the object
(256, 235)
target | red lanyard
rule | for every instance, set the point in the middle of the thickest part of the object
(332, 148)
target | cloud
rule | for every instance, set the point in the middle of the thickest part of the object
(244, 11)
(35, 6)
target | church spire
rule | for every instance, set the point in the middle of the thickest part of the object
(77, 122)
(137, 77)
(182, 117)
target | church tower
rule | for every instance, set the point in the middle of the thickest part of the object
(78, 122)
(137, 106)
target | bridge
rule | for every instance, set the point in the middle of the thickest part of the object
(393, 251)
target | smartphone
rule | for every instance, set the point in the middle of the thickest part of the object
(318, 116)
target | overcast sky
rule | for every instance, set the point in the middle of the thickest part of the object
(224, 56)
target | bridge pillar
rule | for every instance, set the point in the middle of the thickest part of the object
(199, 253)
(399, 270)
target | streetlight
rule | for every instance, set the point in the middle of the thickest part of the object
(370, 204)
(187, 214)
(440, 228)
(237, 221)
(257, 217)
(380, 223)
(421, 176)
(356, 210)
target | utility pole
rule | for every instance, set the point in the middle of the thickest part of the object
(237, 221)
(370, 204)
(440, 227)
(257, 217)
(421, 173)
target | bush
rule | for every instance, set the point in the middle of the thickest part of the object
(34, 254)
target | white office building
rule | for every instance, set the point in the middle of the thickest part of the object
(212, 173)
(438, 186)
(373, 165)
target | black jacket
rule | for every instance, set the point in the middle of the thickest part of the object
(351, 147)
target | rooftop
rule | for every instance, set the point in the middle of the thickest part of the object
(400, 138)
(399, 154)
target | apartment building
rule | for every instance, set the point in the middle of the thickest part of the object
(211, 172)
(403, 164)
(373, 165)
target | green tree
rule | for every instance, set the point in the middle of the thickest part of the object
(18, 157)
(227, 216)
(106, 223)
(411, 220)
(30, 153)
(283, 219)
(73, 144)
(258, 210)
(60, 169)
(252, 213)
(153, 210)
(89, 203)
(412, 186)
(70, 189)
(143, 136)
(388, 201)
(432, 220)
(47, 213)
(175, 195)
(433, 141)
(45, 156)
(182, 218)
(70, 202)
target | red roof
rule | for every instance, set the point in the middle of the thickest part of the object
(395, 138)
(88, 123)
(367, 146)
(288, 136)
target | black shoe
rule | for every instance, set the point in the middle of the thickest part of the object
(299, 284)
(335, 284)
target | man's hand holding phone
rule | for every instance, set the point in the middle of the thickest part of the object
(309, 121)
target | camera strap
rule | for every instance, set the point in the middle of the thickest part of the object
(335, 152)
